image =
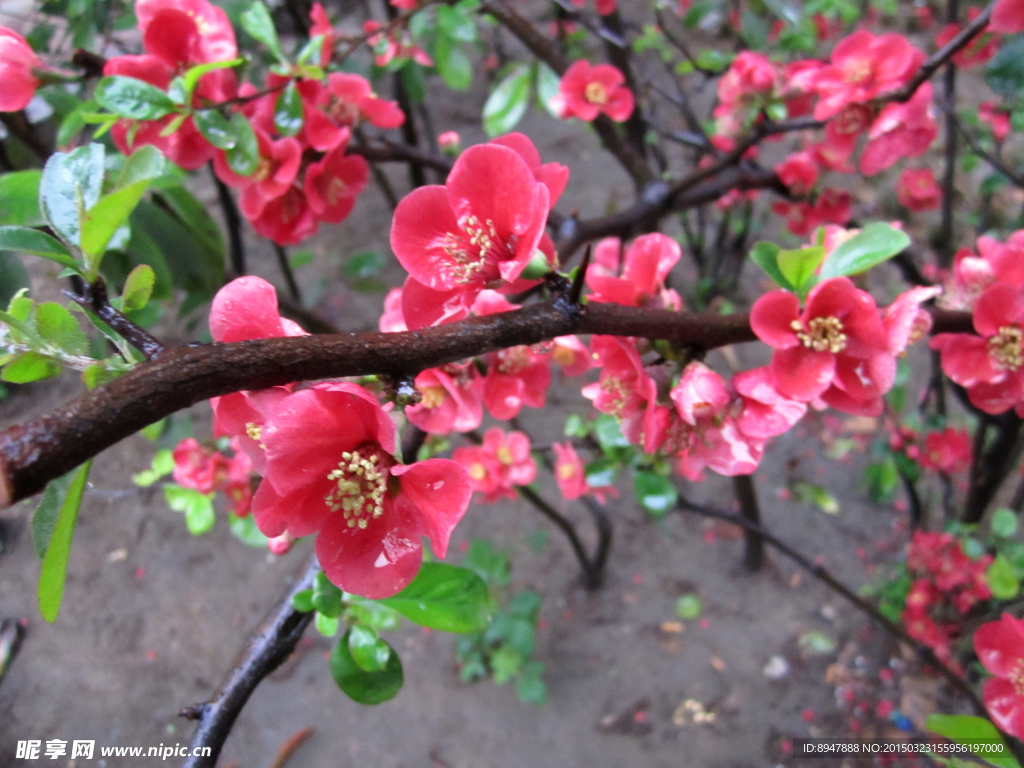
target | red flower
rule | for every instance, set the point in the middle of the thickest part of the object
(996, 119)
(195, 466)
(17, 60)
(917, 190)
(450, 400)
(863, 68)
(186, 31)
(322, 26)
(947, 451)
(646, 265)
(569, 472)
(982, 48)
(331, 471)
(901, 130)
(1008, 17)
(839, 327)
(743, 91)
(388, 47)
(799, 172)
(333, 183)
(990, 364)
(585, 92)
(478, 231)
(766, 413)
(501, 461)
(571, 355)
(1000, 649)
(552, 175)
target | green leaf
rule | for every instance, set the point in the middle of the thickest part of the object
(70, 185)
(507, 103)
(530, 687)
(19, 198)
(1004, 523)
(601, 472)
(132, 98)
(815, 642)
(875, 243)
(257, 22)
(363, 265)
(303, 601)
(46, 513)
(798, 266)
(55, 325)
(26, 240)
(689, 607)
(456, 24)
(144, 164)
(192, 75)
(1005, 72)
(967, 730)
(655, 493)
(881, 480)
(327, 625)
(161, 466)
(244, 157)
(55, 561)
(809, 493)
(138, 288)
(215, 128)
(244, 529)
(368, 651)
(765, 255)
(359, 685)
(104, 219)
(197, 507)
(608, 434)
(452, 62)
(13, 277)
(548, 85)
(444, 597)
(28, 367)
(1002, 579)
(288, 111)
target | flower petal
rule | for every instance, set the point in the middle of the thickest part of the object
(440, 490)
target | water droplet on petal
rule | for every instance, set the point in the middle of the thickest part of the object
(382, 561)
(438, 485)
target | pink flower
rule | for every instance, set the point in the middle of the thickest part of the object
(1008, 17)
(901, 130)
(947, 451)
(571, 355)
(585, 92)
(554, 176)
(832, 206)
(569, 472)
(765, 412)
(196, 467)
(990, 364)
(450, 400)
(904, 320)
(278, 166)
(799, 172)
(322, 26)
(863, 68)
(1000, 649)
(982, 48)
(478, 231)
(17, 60)
(646, 264)
(839, 328)
(624, 387)
(751, 81)
(331, 470)
(449, 142)
(333, 183)
(392, 320)
(917, 190)
(996, 119)
(500, 462)
(388, 47)
(287, 219)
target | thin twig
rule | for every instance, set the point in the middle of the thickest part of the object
(93, 296)
(267, 650)
(924, 653)
(289, 276)
(234, 224)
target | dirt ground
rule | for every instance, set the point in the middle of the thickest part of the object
(153, 618)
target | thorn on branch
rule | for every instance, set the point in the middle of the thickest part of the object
(93, 297)
(194, 711)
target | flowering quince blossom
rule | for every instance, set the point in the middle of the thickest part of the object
(586, 92)
(499, 462)
(571, 355)
(978, 51)
(17, 62)
(331, 470)
(948, 451)
(901, 130)
(917, 189)
(177, 35)
(478, 231)
(974, 272)
(246, 308)
(832, 206)
(1008, 17)
(864, 67)
(388, 47)
(799, 172)
(450, 400)
(837, 341)
(989, 365)
(207, 471)
(646, 264)
(749, 84)
(626, 391)
(603, 7)
(997, 119)
(321, 27)
(571, 476)
(765, 412)
(1000, 649)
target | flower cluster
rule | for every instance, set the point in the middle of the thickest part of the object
(947, 584)
(989, 364)
(501, 461)
(303, 176)
(327, 456)
(587, 91)
(208, 471)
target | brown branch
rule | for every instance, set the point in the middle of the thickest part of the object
(267, 650)
(37, 451)
(924, 653)
(389, 152)
(93, 296)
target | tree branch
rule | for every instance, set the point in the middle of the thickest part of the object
(267, 650)
(37, 451)
(93, 296)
